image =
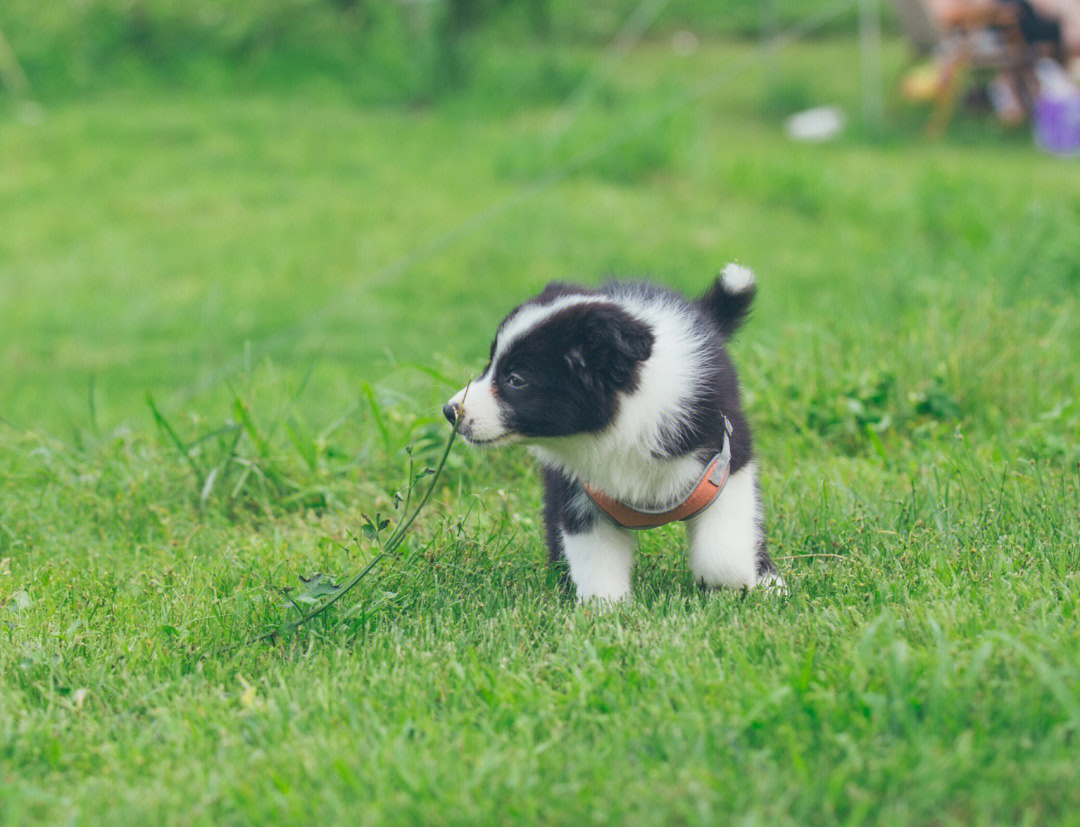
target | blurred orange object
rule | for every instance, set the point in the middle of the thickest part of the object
(922, 83)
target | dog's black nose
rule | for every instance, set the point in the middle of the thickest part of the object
(450, 411)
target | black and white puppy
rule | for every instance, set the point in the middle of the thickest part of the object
(626, 389)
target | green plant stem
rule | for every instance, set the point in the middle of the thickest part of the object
(389, 547)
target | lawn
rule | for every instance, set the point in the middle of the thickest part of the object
(295, 283)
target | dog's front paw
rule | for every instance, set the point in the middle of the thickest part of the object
(773, 584)
(601, 596)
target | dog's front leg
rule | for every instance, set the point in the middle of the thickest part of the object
(600, 561)
(600, 555)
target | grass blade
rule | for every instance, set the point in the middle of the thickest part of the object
(380, 423)
(248, 424)
(164, 425)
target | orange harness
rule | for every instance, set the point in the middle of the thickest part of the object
(706, 490)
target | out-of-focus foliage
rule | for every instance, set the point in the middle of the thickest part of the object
(385, 50)
(407, 51)
(595, 20)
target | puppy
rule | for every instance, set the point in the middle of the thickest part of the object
(628, 398)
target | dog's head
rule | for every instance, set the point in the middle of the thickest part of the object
(558, 366)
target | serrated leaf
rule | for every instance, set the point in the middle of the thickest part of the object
(315, 589)
(18, 601)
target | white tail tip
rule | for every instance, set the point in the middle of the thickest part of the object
(736, 278)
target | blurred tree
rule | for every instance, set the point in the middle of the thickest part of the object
(466, 14)
(11, 73)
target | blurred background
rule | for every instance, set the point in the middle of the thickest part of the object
(248, 248)
(348, 194)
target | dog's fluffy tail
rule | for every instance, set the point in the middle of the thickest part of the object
(729, 299)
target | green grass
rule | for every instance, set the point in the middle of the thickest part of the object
(376, 51)
(299, 283)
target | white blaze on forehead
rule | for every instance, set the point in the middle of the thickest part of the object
(531, 316)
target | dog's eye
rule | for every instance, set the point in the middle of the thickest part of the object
(515, 380)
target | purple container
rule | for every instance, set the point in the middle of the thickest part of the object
(1057, 123)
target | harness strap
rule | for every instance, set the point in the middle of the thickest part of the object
(704, 492)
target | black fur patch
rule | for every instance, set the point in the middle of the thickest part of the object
(727, 308)
(560, 513)
(564, 376)
(764, 563)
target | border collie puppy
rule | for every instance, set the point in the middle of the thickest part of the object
(628, 398)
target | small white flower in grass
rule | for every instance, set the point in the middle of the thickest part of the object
(78, 697)
(249, 698)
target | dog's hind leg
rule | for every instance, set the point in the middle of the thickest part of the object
(727, 541)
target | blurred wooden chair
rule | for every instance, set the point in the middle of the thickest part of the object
(977, 35)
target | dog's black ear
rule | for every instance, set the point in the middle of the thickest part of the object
(611, 345)
(557, 289)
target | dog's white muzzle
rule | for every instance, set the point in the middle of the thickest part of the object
(478, 412)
